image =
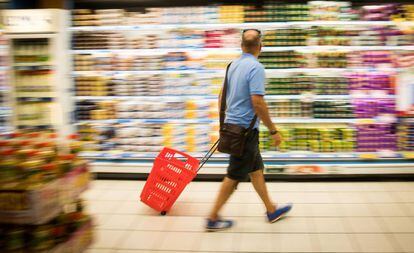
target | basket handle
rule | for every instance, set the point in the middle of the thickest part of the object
(208, 155)
(190, 159)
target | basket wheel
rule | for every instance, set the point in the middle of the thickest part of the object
(163, 213)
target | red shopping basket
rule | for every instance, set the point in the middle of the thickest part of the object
(170, 174)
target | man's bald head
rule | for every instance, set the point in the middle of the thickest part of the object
(251, 41)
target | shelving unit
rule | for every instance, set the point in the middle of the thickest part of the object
(125, 160)
(38, 41)
(5, 103)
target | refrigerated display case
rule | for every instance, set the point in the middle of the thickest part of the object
(5, 103)
(40, 67)
(147, 80)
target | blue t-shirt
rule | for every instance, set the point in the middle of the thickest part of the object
(246, 77)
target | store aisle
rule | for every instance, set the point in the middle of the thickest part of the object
(327, 217)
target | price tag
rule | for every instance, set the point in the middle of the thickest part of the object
(368, 156)
(379, 93)
(408, 155)
(359, 94)
(387, 153)
(307, 97)
(387, 118)
(365, 121)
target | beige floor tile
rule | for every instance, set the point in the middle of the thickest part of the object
(252, 225)
(286, 187)
(101, 207)
(141, 240)
(120, 195)
(335, 243)
(217, 242)
(251, 242)
(134, 207)
(405, 241)
(374, 243)
(399, 186)
(318, 197)
(327, 210)
(291, 225)
(92, 194)
(348, 197)
(185, 223)
(405, 196)
(357, 210)
(409, 209)
(328, 225)
(99, 251)
(179, 241)
(302, 210)
(119, 222)
(399, 224)
(380, 197)
(373, 187)
(151, 223)
(345, 187)
(297, 243)
(108, 239)
(389, 209)
(366, 224)
(255, 210)
(100, 219)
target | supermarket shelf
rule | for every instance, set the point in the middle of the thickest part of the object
(311, 121)
(319, 71)
(262, 25)
(155, 50)
(31, 64)
(157, 98)
(144, 72)
(276, 120)
(267, 156)
(150, 121)
(237, 50)
(5, 129)
(181, 97)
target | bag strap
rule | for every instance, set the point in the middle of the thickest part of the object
(223, 97)
(223, 104)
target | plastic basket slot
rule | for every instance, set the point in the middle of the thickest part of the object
(174, 168)
(156, 200)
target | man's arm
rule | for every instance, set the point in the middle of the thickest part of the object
(260, 107)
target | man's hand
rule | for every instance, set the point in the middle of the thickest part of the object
(277, 139)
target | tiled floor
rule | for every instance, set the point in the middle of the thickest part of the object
(327, 217)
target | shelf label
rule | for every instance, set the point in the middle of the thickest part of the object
(387, 153)
(368, 156)
(31, 21)
(387, 118)
(408, 155)
(365, 121)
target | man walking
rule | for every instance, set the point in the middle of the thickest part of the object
(245, 91)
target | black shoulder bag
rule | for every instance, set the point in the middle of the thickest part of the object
(232, 137)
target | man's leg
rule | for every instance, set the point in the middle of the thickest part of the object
(227, 187)
(259, 185)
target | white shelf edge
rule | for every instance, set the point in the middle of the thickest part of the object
(238, 50)
(263, 25)
(175, 98)
(265, 154)
(275, 119)
(221, 71)
(209, 97)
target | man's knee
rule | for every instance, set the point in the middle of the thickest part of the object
(256, 174)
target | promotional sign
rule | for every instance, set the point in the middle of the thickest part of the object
(405, 92)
